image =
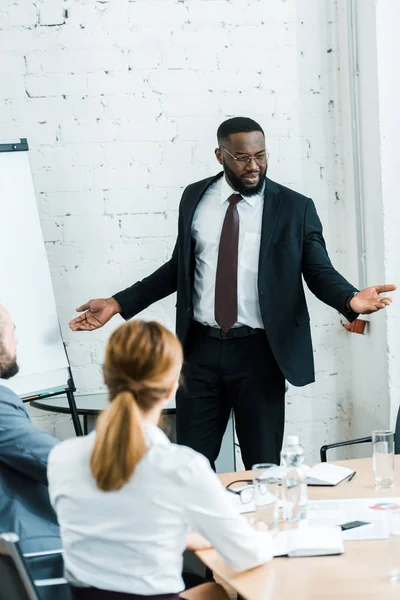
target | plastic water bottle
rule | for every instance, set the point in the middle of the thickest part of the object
(294, 486)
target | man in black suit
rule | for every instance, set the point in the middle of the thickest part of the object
(244, 243)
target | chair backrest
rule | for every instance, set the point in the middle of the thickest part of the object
(397, 434)
(16, 583)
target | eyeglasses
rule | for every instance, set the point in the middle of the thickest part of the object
(246, 494)
(261, 157)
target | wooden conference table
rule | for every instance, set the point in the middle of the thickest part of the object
(361, 572)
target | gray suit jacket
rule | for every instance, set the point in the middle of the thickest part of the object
(24, 500)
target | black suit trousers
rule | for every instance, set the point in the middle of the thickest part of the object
(238, 374)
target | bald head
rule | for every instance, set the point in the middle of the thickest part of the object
(3, 317)
(8, 346)
(3, 320)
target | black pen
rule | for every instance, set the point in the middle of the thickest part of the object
(351, 476)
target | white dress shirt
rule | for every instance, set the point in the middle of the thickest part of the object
(206, 232)
(132, 540)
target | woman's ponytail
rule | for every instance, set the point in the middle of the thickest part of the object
(120, 443)
(141, 365)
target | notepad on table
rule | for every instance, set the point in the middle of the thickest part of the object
(327, 474)
(320, 474)
(309, 541)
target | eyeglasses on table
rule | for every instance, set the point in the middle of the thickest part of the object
(246, 494)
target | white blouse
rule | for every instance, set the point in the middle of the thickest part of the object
(132, 540)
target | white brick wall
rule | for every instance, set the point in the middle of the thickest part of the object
(120, 102)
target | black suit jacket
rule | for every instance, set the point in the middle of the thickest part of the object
(292, 246)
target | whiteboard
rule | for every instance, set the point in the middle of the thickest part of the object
(25, 289)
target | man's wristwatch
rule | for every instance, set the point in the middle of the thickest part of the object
(349, 299)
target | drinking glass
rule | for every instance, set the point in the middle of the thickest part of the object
(266, 496)
(393, 522)
(383, 458)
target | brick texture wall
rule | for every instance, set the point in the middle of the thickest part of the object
(120, 102)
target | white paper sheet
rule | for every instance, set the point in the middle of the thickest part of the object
(338, 512)
(26, 286)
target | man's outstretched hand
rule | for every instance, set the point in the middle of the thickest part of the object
(97, 313)
(369, 300)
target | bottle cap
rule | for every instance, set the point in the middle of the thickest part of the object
(292, 440)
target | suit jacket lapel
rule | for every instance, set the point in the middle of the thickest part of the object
(198, 191)
(272, 204)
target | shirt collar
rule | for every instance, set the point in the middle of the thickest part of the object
(227, 191)
(153, 434)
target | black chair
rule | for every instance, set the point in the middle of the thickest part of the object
(16, 582)
(363, 440)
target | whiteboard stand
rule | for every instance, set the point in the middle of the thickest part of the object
(72, 404)
(73, 409)
(44, 366)
(69, 392)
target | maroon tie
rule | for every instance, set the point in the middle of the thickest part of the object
(226, 304)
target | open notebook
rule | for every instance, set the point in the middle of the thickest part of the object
(309, 541)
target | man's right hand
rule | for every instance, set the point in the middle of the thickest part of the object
(96, 314)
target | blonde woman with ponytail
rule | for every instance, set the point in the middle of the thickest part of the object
(128, 500)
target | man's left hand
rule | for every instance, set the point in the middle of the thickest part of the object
(369, 300)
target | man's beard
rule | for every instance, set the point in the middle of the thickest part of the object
(238, 184)
(8, 365)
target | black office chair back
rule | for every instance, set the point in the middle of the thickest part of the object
(15, 581)
(397, 434)
(324, 449)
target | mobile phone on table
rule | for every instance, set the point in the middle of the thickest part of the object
(352, 524)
